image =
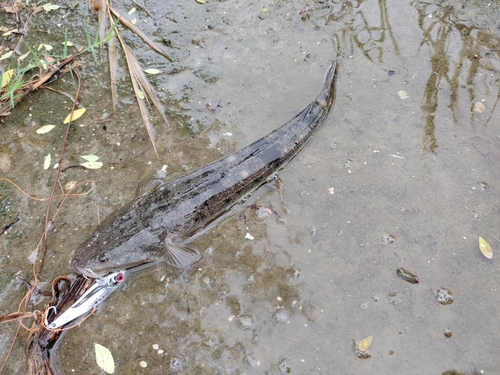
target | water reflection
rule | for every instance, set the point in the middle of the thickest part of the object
(462, 42)
(461, 60)
(371, 34)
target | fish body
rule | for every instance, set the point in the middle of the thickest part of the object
(157, 224)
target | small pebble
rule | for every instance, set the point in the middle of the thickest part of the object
(143, 364)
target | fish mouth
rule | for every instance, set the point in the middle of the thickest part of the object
(84, 271)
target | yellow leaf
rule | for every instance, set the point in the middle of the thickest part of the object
(140, 94)
(104, 358)
(485, 248)
(45, 129)
(46, 162)
(6, 77)
(92, 164)
(152, 71)
(132, 11)
(201, 1)
(67, 43)
(365, 343)
(134, 21)
(90, 157)
(76, 115)
(48, 7)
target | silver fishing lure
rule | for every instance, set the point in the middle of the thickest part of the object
(100, 289)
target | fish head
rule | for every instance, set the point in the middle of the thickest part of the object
(99, 256)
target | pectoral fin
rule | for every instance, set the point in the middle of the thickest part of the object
(179, 255)
(147, 186)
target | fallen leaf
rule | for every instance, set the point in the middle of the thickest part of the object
(6, 56)
(92, 164)
(12, 9)
(152, 71)
(201, 1)
(67, 43)
(104, 358)
(10, 32)
(76, 115)
(140, 94)
(365, 343)
(403, 94)
(6, 77)
(46, 163)
(22, 57)
(133, 10)
(485, 248)
(45, 129)
(478, 107)
(48, 7)
(90, 157)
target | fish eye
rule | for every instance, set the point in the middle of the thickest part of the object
(104, 257)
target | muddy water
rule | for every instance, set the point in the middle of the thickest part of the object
(414, 173)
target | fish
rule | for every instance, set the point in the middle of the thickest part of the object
(160, 224)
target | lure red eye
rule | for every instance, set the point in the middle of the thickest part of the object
(120, 277)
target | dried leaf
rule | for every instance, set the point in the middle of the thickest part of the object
(152, 71)
(45, 129)
(46, 163)
(6, 77)
(131, 11)
(67, 43)
(365, 343)
(139, 33)
(138, 81)
(104, 358)
(90, 157)
(74, 116)
(201, 1)
(485, 248)
(92, 164)
(102, 6)
(113, 67)
(11, 9)
(136, 70)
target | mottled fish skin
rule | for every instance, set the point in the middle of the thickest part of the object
(143, 230)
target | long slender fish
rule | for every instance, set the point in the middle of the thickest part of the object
(160, 223)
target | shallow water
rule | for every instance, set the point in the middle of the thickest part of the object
(414, 184)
